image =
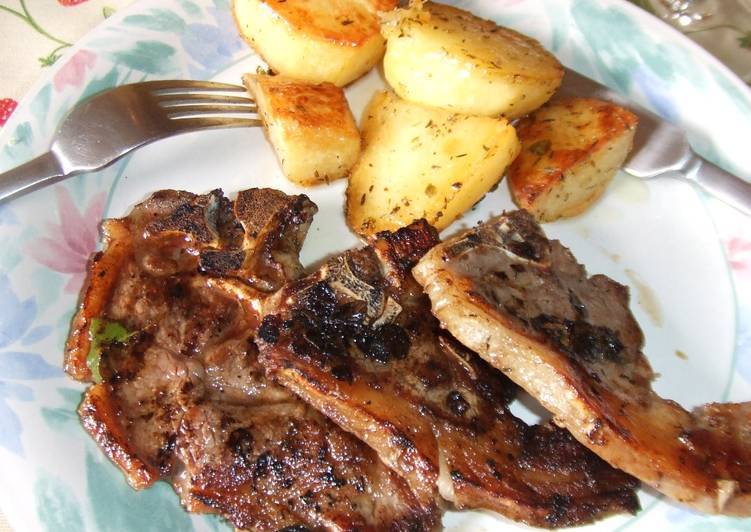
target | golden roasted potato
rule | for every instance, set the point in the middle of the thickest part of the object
(445, 57)
(314, 40)
(422, 162)
(310, 126)
(570, 151)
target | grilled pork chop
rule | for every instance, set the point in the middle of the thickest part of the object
(166, 329)
(356, 340)
(527, 307)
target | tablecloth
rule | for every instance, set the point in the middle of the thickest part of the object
(36, 33)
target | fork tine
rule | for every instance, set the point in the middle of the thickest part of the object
(170, 100)
(183, 111)
(190, 124)
(171, 86)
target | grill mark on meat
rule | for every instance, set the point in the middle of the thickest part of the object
(571, 341)
(578, 338)
(196, 220)
(435, 412)
(220, 262)
(185, 399)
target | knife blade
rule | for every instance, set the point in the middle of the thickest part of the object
(662, 149)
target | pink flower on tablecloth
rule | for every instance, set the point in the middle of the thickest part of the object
(74, 71)
(69, 3)
(739, 254)
(7, 106)
(71, 241)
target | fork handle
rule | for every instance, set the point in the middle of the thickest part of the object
(44, 169)
(717, 182)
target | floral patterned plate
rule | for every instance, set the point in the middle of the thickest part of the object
(686, 258)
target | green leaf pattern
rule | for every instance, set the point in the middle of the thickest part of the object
(149, 57)
(157, 20)
(117, 507)
(64, 418)
(57, 506)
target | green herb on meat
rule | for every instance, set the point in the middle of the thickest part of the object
(101, 333)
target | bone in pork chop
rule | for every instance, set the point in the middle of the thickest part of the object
(356, 340)
(527, 306)
(165, 330)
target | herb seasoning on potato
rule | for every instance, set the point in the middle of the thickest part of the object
(309, 125)
(423, 162)
(571, 150)
(445, 57)
(336, 41)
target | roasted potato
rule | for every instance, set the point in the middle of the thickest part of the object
(442, 56)
(310, 126)
(422, 162)
(570, 151)
(313, 40)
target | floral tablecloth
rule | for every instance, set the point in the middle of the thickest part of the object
(37, 33)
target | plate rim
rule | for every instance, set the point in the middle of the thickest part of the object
(141, 5)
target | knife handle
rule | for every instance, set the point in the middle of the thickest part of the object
(717, 182)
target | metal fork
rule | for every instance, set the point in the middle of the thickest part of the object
(112, 123)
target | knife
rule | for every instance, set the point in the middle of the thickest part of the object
(660, 148)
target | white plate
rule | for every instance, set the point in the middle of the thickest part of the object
(685, 257)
